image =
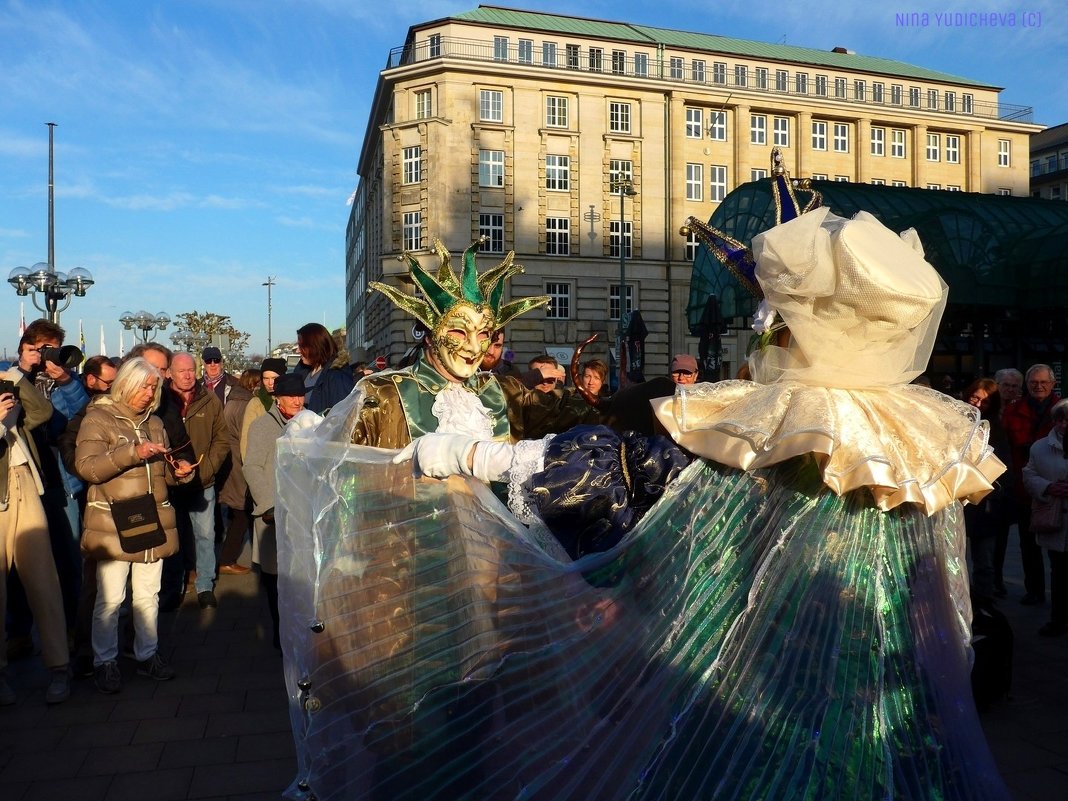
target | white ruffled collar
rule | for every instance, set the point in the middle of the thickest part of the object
(459, 411)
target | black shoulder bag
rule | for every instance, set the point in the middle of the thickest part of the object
(137, 521)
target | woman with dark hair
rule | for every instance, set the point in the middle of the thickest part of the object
(325, 385)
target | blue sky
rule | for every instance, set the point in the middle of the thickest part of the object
(204, 145)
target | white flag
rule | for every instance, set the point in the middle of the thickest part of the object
(103, 346)
(122, 348)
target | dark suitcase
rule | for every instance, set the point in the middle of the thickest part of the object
(992, 642)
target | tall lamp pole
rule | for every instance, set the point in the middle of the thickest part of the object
(625, 187)
(269, 283)
(43, 280)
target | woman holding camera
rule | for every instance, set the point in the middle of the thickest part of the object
(124, 455)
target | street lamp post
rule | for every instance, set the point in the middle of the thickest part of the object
(190, 341)
(42, 279)
(625, 187)
(144, 325)
(269, 283)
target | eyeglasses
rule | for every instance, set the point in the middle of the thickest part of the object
(212, 361)
(169, 456)
(684, 372)
(1040, 383)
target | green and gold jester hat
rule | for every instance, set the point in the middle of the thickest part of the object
(443, 291)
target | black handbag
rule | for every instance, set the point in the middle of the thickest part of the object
(137, 521)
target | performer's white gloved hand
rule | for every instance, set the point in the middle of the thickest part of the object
(303, 420)
(443, 455)
(439, 455)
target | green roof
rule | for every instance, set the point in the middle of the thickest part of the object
(704, 42)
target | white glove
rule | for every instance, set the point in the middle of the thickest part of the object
(444, 455)
(439, 455)
(303, 420)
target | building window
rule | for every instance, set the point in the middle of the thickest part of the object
(762, 78)
(952, 149)
(719, 72)
(898, 183)
(717, 126)
(934, 186)
(412, 230)
(422, 104)
(558, 237)
(526, 51)
(758, 129)
(821, 85)
(596, 59)
(756, 174)
(435, 45)
(781, 131)
(967, 103)
(558, 173)
(555, 111)
(782, 78)
(613, 238)
(878, 141)
(741, 75)
(859, 90)
(878, 182)
(559, 307)
(695, 128)
(801, 83)
(840, 88)
(842, 179)
(500, 48)
(914, 96)
(897, 143)
(933, 146)
(491, 226)
(571, 56)
(491, 168)
(819, 176)
(697, 71)
(691, 246)
(619, 117)
(841, 137)
(932, 99)
(413, 165)
(613, 300)
(491, 105)
(717, 182)
(695, 177)
(1004, 191)
(877, 93)
(952, 188)
(641, 65)
(1004, 152)
(620, 170)
(895, 94)
(675, 67)
(619, 62)
(950, 100)
(819, 135)
(548, 54)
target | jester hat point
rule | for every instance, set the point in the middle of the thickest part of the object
(443, 290)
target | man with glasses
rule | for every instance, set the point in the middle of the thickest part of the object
(1027, 421)
(215, 378)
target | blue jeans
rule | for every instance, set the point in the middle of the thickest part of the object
(202, 519)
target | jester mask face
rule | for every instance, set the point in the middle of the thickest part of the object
(460, 340)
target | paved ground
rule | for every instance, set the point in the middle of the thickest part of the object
(221, 729)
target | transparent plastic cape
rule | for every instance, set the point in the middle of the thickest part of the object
(756, 636)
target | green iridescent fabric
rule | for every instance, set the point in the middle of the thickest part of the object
(755, 637)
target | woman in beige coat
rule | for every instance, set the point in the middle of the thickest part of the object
(123, 453)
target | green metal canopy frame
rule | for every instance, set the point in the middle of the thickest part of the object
(991, 250)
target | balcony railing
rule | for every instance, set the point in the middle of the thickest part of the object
(1049, 165)
(695, 73)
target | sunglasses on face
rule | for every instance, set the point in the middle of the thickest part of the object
(212, 361)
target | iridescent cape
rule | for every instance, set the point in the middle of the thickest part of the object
(756, 636)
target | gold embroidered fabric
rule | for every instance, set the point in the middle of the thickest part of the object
(909, 444)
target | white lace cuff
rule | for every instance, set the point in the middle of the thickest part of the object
(528, 458)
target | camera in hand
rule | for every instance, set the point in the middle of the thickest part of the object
(68, 356)
(8, 386)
